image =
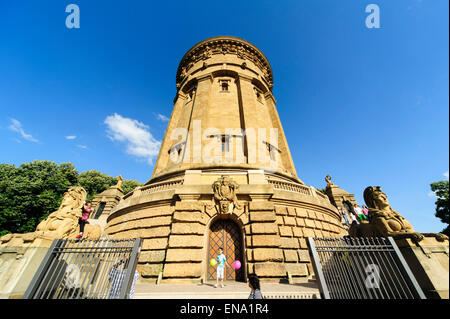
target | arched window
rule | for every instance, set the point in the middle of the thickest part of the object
(100, 209)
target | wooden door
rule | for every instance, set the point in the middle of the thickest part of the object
(226, 234)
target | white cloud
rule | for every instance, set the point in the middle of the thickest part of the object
(82, 146)
(446, 175)
(139, 141)
(432, 194)
(71, 137)
(162, 117)
(16, 126)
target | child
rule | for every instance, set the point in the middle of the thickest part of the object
(85, 212)
(359, 212)
(221, 259)
(365, 210)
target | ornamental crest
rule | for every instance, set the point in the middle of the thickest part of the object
(225, 195)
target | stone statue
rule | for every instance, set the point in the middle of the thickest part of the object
(384, 221)
(328, 180)
(119, 182)
(62, 223)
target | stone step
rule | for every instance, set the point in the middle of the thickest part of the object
(232, 290)
(225, 295)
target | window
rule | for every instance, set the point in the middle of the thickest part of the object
(272, 151)
(175, 152)
(100, 209)
(189, 96)
(259, 95)
(224, 87)
(225, 143)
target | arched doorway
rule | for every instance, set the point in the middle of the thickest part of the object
(225, 233)
(348, 207)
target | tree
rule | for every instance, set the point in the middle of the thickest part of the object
(442, 206)
(30, 192)
(129, 185)
(95, 182)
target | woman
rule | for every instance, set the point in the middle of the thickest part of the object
(365, 210)
(85, 212)
(253, 283)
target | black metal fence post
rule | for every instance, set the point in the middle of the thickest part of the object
(362, 268)
(81, 269)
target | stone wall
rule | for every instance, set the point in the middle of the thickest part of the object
(429, 262)
(295, 224)
(19, 261)
(275, 220)
(153, 225)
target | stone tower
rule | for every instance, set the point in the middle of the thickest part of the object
(224, 177)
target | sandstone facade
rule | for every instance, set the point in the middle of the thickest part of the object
(224, 83)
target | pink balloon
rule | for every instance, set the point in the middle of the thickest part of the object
(237, 264)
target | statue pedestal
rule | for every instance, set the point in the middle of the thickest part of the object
(429, 262)
(19, 262)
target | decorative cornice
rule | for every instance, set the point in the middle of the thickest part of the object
(224, 45)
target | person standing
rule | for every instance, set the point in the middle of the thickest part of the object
(253, 283)
(353, 218)
(82, 221)
(344, 215)
(359, 212)
(117, 279)
(221, 259)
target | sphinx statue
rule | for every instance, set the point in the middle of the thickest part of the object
(383, 220)
(62, 223)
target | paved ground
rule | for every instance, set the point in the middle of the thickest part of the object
(232, 290)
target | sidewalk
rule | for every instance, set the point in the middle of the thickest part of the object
(232, 290)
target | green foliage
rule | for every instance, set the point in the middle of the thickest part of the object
(129, 185)
(30, 192)
(95, 182)
(442, 206)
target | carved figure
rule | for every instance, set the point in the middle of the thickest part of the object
(63, 223)
(225, 195)
(384, 221)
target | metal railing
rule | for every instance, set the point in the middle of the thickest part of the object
(362, 268)
(86, 269)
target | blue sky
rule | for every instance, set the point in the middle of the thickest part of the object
(368, 106)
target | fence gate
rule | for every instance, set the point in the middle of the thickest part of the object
(86, 269)
(362, 268)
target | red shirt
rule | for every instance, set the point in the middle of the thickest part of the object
(85, 214)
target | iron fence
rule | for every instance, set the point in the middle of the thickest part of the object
(86, 269)
(362, 268)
